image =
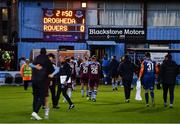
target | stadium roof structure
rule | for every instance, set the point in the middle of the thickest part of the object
(153, 50)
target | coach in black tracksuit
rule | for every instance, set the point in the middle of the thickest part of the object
(40, 79)
(168, 73)
(126, 70)
(65, 70)
(53, 80)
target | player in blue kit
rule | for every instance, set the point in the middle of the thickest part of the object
(147, 76)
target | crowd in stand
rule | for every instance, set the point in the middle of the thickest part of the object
(7, 60)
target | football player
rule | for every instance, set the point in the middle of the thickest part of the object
(147, 76)
(84, 76)
(94, 76)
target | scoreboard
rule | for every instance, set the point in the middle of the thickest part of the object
(63, 25)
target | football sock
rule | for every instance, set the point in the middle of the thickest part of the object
(152, 95)
(95, 94)
(82, 92)
(73, 85)
(90, 93)
(113, 85)
(171, 98)
(69, 92)
(116, 84)
(105, 80)
(147, 98)
(46, 111)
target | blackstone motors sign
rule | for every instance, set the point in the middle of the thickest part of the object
(116, 34)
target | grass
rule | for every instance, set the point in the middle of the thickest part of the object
(16, 106)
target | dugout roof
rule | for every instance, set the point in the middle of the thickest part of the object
(153, 50)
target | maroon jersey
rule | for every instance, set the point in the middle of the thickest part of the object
(84, 69)
(73, 67)
(94, 70)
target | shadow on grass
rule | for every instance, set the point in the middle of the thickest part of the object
(99, 103)
(16, 97)
(143, 109)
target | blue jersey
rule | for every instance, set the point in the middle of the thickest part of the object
(105, 62)
(149, 68)
(147, 72)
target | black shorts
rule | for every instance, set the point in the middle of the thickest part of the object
(47, 84)
(39, 88)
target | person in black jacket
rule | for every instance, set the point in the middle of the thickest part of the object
(168, 73)
(53, 81)
(113, 65)
(126, 70)
(40, 82)
(64, 75)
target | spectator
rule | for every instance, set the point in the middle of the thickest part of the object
(22, 61)
(7, 60)
(168, 72)
(26, 73)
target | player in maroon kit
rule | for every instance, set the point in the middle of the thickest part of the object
(94, 76)
(73, 65)
(84, 76)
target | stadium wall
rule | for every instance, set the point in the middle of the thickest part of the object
(30, 26)
(24, 48)
(166, 33)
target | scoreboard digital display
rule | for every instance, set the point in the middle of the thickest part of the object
(63, 25)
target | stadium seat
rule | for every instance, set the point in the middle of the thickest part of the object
(8, 79)
(18, 79)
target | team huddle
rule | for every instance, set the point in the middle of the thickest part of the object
(46, 75)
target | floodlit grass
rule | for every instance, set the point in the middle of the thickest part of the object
(16, 106)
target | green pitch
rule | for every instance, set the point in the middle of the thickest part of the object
(16, 106)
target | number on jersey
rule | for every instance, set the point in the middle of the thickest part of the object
(150, 66)
(94, 70)
(85, 70)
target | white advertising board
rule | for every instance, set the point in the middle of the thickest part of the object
(158, 57)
